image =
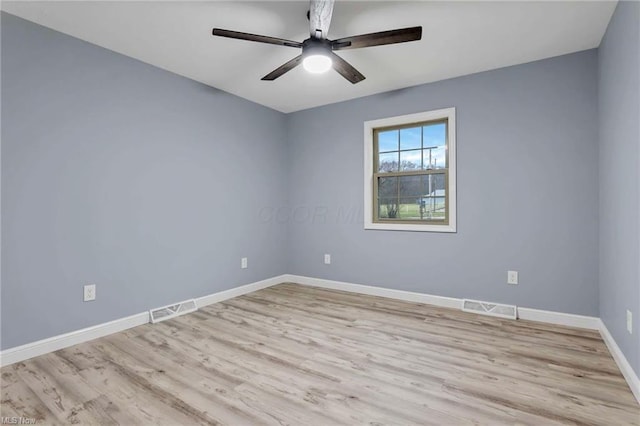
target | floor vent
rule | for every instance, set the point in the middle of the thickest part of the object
(172, 311)
(487, 308)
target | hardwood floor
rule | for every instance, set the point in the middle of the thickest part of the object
(300, 355)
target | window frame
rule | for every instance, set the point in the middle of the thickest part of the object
(371, 220)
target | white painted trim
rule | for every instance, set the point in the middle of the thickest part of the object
(41, 347)
(239, 291)
(559, 318)
(369, 126)
(448, 302)
(627, 371)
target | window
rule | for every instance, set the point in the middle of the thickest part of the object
(410, 172)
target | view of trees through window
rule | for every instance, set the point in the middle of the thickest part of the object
(411, 172)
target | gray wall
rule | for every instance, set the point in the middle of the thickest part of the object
(117, 173)
(527, 190)
(619, 117)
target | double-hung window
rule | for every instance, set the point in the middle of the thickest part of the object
(410, 173)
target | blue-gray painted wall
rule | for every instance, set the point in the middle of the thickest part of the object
(527, 190)
(619, 126)
(118, 173)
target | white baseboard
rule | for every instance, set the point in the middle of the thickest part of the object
(238, 291)
(627, 371)
(41, 347)
(558, 318)
(448, 302)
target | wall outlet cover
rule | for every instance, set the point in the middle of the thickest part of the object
(629, 322)
(244, 263)
(89, 292)
(512, 277)
(327, 259)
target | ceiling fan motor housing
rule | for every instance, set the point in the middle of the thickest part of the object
(316, 46)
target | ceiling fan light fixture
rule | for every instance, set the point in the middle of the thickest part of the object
(317, 51)
(317, 63)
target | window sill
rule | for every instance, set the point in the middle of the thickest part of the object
(409, 227)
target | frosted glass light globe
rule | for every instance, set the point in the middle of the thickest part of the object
(317, 64)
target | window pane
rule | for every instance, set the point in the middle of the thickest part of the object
(435, 158)
(388, 141)
(411, 138)
(433, 185)
(434, 196)
(412, 197)
(410, 160)
(410, 187)
(388, 162)
(434, 134)
(409, 209)
(387, 187)
(388, 208)
(433, 208)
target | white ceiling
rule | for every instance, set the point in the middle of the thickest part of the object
(458, 38)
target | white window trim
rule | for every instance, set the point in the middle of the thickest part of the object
(369, 126)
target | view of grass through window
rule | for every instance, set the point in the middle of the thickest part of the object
(411, 172)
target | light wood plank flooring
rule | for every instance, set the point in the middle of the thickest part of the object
(300, 355)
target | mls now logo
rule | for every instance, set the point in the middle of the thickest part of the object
(17, 421)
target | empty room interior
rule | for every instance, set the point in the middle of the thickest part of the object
(320, 213)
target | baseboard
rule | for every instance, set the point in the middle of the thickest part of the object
(239, 291)
(557, 318)
(409, 296)
(41, 347)
(627, 371)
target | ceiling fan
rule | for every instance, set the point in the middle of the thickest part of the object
(317, 51)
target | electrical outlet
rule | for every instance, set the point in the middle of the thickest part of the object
(327, 259)
(512, 277)
(244, 263)
(629, 322)
(89, 292)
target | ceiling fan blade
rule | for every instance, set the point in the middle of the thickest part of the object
(346, 70)
(378, 39)
(320, 12)
(254, 37)
(286, 67)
